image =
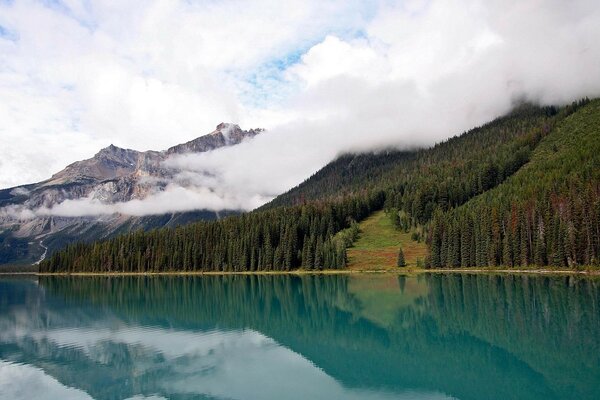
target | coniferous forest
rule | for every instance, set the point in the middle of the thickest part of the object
(284, 238)
(521, 190)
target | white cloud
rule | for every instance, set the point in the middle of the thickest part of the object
(173, 199)
(323, 78)
(421, 74)
(20, 191)
(140, 75)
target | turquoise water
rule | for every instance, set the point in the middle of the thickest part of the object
(309, 337)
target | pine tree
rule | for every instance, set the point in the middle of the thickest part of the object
(401, 261)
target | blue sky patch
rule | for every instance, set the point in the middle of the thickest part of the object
(7, 34)
(64, 9)
(266, 85)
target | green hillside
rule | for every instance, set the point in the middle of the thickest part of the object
(446, 175)
(548, 213)
(520, 190)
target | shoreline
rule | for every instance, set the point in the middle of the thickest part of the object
(520, 271)
(406, 271)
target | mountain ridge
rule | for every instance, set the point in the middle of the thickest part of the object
(112, 175)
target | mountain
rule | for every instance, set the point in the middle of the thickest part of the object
(113, 175)
(447, 174)
(521, 190)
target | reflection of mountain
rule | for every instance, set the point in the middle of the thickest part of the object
(471, 337)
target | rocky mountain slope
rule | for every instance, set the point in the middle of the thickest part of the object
(113, 175)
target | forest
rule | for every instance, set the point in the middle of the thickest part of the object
(521, 190)
(283, 238)
(548, 213)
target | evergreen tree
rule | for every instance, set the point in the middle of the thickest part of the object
(401, 262)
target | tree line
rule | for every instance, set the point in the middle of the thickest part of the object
(284, 238)
(558, 230)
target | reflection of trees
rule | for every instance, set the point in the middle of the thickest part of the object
(467, 329)
(552, 323)
(469, 336)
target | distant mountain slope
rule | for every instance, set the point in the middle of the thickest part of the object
(446, 175)
(308, 226)
(113, 175)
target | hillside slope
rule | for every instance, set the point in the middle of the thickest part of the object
(434, 190)
(547, 213)
(449, 173)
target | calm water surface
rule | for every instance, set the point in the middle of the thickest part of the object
(290, 337)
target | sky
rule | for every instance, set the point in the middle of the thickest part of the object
(323, 77)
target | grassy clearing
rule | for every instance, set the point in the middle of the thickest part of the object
(377, 245)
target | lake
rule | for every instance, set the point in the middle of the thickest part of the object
(433, 336)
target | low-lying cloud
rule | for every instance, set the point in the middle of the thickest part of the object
(172, 199)
(418, 76)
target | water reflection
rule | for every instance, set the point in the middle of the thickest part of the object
(318, 337)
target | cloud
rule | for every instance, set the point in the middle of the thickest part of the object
(322, 78)
(172, 199)
(16, 212)
(78, 75)
(20, 191)
(421, 73)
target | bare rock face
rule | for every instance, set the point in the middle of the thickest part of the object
(226, 134)
(109, 163)
(113, 175)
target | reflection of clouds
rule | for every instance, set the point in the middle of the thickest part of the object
(169, 343)
(225, 364)
(158, 361)
(18, 381)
